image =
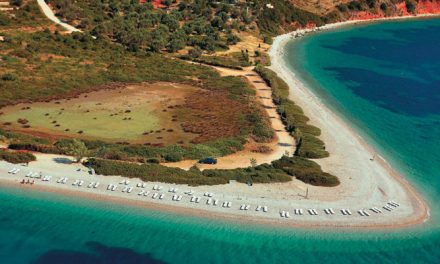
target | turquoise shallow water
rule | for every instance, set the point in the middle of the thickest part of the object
(354, 70)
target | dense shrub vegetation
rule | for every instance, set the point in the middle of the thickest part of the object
(207, 25)
(233, 61)
(308, 143)
(279, 171)
(16, 157)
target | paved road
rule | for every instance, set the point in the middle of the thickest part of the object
(49, 14)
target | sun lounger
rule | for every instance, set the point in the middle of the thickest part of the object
(154, 195)
(96, 185)
(146, 193)
(265, 209)
(215, 202)
(258, 208)
(161, 196)
(386, 207)
(376, 210)
(90, 185)
(393, 204)
(209, 201)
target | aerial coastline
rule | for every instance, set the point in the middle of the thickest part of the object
(156, 131)
(336, 132)
(364, 183)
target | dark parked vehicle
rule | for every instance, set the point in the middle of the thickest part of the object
(208, 161)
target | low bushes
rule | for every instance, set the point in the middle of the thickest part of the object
(153, 172)
(279, 171)
(35, 147)
(16, 157)
(135, 152)
(306, 170)
(217, 61)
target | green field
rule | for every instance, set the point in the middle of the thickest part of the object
(137, 113)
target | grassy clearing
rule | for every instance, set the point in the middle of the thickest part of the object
(142, 113)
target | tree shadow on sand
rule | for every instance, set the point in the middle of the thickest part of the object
(100, 254)
(63, 160)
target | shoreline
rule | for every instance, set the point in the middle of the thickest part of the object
(364, 184)
(320, 114)
(276, 196)
(200, 213)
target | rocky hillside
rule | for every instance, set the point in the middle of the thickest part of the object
(339, 10)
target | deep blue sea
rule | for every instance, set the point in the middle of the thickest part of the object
(382, 78)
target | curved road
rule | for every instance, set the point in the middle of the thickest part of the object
(50, 15)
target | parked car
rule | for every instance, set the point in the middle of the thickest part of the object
(208, 161)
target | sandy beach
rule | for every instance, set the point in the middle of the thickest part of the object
(277, 197)
(366, 184)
